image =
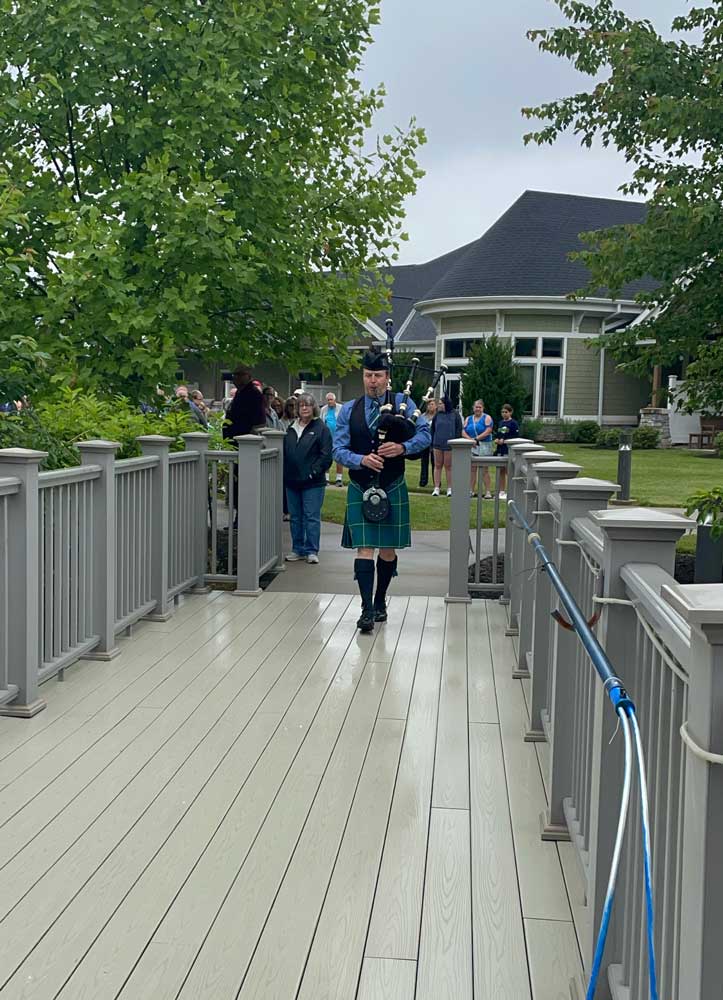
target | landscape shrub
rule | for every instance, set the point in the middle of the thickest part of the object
(58, 423)
(531, 428)
(643, 437)
(607, 437)
(646, 437)
(584, 431)
(718, 443)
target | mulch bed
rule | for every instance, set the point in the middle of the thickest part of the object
(684, 572)
(485, 576)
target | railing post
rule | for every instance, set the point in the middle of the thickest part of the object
(103, 595)
(505, 599)
(526, 565)
(23, 591)
(701, 915)
(547, 477)
(458, 586)
(632, 534)
(275, 439)
(248, 535)
(514, 540)
(198, 441)
(158, 446)
(577, 498)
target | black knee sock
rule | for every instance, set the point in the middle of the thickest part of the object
(364, 576)
(385, 572)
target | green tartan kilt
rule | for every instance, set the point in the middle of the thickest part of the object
(392, 533)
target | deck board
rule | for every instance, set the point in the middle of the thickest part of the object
(254, 800)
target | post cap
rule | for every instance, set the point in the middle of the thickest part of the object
(154, 439)
(640, 524)
(21, 456)
(246, 440)
(98, 445)
(549, 470)
(588, 486)
(700, 604)
(534, 458)
(524, 446)
(461, 443)
(196, 435)
(520, 440)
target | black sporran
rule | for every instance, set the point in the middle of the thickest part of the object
(375, 504)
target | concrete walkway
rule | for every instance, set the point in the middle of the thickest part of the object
(423, 568)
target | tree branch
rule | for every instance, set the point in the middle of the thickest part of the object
(71, 141)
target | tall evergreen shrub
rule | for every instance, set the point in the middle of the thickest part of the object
(493, 376)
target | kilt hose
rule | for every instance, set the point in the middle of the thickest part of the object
(392, 533)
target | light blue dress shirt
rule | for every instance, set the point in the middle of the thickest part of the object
(342, 434)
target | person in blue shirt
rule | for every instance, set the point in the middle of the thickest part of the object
(478, 427)
(356, 445)
(329, 413)
(507, 429)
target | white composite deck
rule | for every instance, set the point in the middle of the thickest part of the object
(255, 801)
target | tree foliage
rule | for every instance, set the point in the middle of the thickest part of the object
(659, 103)
(493, 376)
(22, 367)
(400, 376)
(188, 178)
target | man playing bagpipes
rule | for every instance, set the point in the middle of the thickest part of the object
(373, 435)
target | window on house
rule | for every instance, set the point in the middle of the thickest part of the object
(526, 347)
(454, 348)
(552, 347)
(550, 390)
(528, 377)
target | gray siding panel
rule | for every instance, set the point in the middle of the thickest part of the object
(538, 322)
(477, 323)
(581, 379)
(590, 325)
(623, 394)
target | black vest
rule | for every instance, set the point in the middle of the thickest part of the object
(362, 442)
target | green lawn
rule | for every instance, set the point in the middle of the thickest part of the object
(661, 478)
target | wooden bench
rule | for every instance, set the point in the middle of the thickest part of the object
(709, 427)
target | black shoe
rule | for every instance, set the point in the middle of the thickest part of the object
(366, 621)
(380, 612)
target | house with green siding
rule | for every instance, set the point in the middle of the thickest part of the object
(515, 281)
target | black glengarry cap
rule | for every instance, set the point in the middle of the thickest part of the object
(375, 360)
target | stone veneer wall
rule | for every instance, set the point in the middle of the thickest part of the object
(655, 416)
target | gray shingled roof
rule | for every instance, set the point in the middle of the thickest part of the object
(411, 281)
(524, 253)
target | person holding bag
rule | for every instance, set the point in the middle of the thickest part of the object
(478, 427)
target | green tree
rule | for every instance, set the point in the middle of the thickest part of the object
(400, 376)
(659, 102)
(22, 368)
(188, 178)
(704, 380)
(493, 376)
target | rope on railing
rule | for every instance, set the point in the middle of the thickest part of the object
(625, 710)
(697, 751)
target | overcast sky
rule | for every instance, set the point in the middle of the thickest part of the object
(464, 68)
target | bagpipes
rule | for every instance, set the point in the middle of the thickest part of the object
(395, 423)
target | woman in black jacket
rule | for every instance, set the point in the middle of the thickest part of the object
(307, 457)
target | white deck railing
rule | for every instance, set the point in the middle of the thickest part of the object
(666, 643)
(86, 552)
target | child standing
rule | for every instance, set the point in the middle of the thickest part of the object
(507, 429)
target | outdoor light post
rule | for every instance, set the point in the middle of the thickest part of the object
(625, 466)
